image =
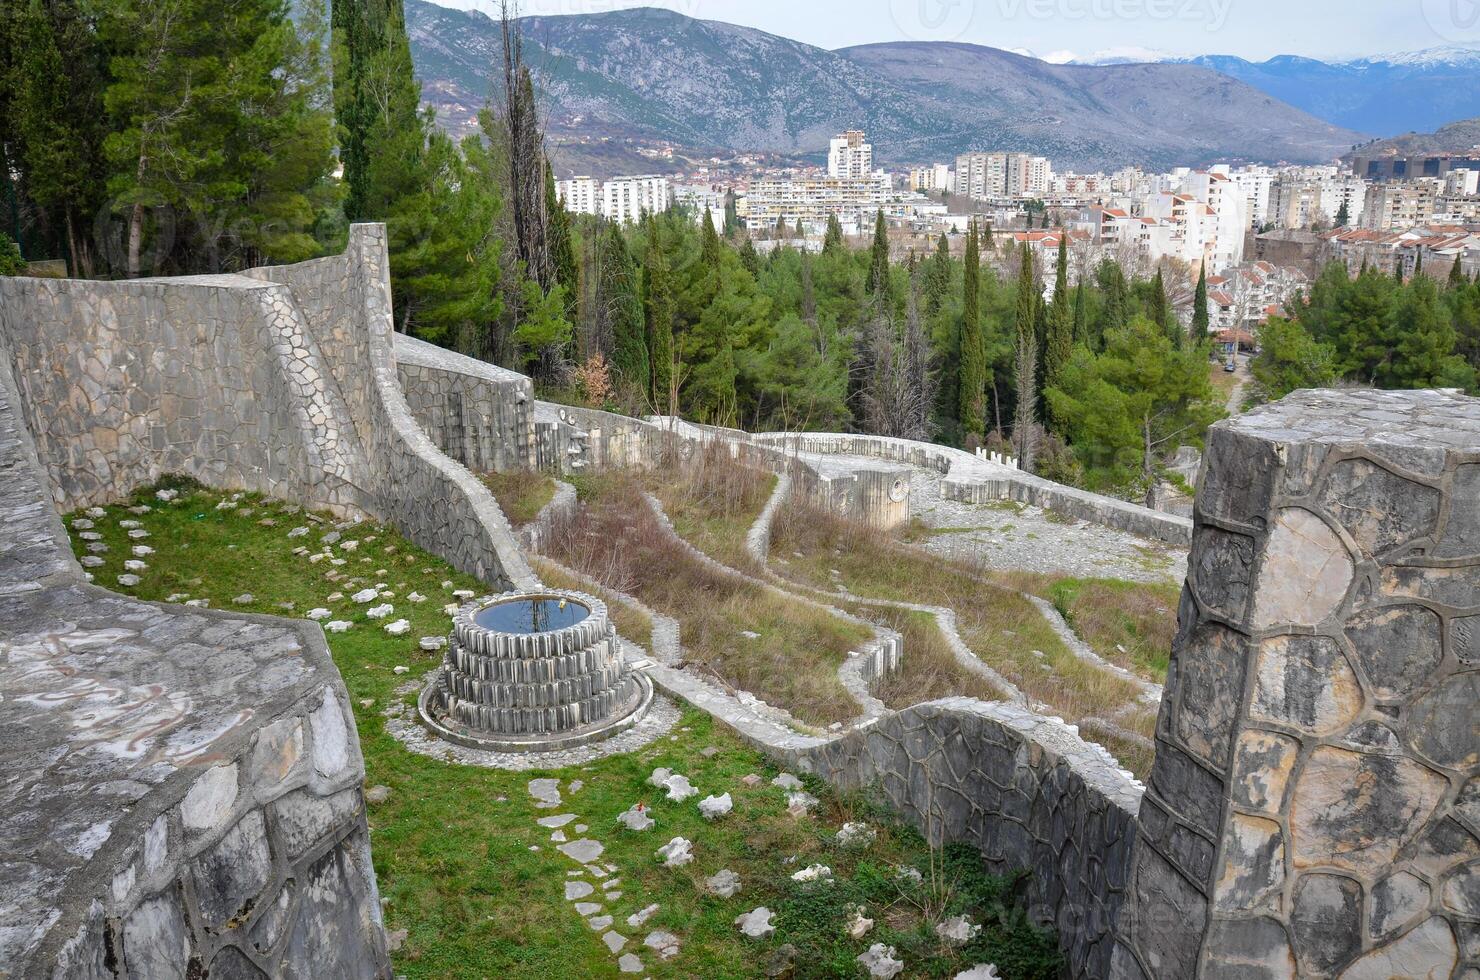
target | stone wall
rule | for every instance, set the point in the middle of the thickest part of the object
(970, 479)
(1024, 789)
(477, 413)
(211, 376)
(281, 380)
(179, 787)
(1314, 808)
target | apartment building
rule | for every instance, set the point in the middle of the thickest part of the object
(1399, 204)
(849, 156)
(623, 199)
(812, 200)
(1305, 196)
(985, 176)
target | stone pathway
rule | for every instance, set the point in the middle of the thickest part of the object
(593, 886)
(402, 723)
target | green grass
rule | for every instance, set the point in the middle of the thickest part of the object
(452, 844)
(1131, 624)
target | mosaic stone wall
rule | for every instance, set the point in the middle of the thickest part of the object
(1024, 789)
(477, 413)
(1314, 809)
(179, 787)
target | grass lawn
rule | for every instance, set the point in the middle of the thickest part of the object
(462, 865)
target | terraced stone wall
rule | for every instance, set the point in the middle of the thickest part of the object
(1314, 807)
(477, 413)
(1024, 789)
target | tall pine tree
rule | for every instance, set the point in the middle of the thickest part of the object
(1060, 328)
(1025, 361)
(973, 393)
(1200, 307)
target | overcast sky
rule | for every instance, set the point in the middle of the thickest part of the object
(1063, 29)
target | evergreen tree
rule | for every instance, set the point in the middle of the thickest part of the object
(377, 104)
(1417, 263)
(877, 283)
(1343, 215)
(1081, 315)
(973, 390)
(621, 307)
(1025, 362)
(987, 241)
(1059, 343)
(937, 275)
(832, 240)
(1457, 272)
(562, 248)
(749, 257)
(1110, 281)
(1160, 310)
(1200, 307)
(658, 310)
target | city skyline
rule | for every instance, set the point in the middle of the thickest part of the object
(1085, 30)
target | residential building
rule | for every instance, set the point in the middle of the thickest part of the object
(1396, 205)
(849, 156)
(623, 199)
(985, 176)
(812, 200)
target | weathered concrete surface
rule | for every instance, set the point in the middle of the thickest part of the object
(1314, 809)
(477, 413)
(179, 788)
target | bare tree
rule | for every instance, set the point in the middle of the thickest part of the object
(525, 148)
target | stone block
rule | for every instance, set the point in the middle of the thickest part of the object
(156, 940)
(1305, 682)
(1442, 723)
(1262, 766)
(1394, 902)
(1305, 572)
(1211, 674)
(1253, 865)
(1327, 921)
(1398, 646)
(1356, 810)
(1378, 508)
(229, 877)
(304, 818)
(1249, 949)
(1221, 571)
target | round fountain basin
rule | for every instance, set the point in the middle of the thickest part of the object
(537, 614)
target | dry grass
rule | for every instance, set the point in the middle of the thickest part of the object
(1131, 624)
(792, 660)
(632, 623)
(520, 494)
(713, 500)
(1000, 627)
(929, 668)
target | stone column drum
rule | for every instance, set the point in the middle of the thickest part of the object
(1314, 807)
(538, 691)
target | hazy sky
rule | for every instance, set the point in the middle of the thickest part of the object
(1062, 29)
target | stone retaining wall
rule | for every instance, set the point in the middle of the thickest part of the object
(476, 413)
(972, 480)
(281, 380)
(179, 787)
(1023, 789)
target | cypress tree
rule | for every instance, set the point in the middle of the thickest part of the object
(1025, 361)
(1456, 272)
(987, 241)
(1081, 315)
(562, 249)
(622, 308)
(658, 306)
(1343, 215)
(832, 239)
(749, 257)
(877, 282)
(937, 275)
(1060, 327)
(1200, 307)
(1160, 313)
(377, 103)
(973, 393)
(1417, 263)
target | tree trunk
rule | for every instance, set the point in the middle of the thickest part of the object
(135, 239)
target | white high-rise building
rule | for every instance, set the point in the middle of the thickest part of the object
(849, 156)
(580, 195)
(985, 176)
(619, 199)
(1255, 183)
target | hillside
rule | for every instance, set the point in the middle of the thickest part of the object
(655, 75)
(1457, 137)
(1418, 91)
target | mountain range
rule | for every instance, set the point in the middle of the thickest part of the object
(618, 82)
(1414, 92)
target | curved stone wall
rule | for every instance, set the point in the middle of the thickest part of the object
(179, 787)
(281, 380)
(973, 480)
(477, 413)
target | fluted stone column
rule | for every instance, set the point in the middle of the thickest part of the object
(1314, 808)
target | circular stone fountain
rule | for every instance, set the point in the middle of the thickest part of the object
(533, 672)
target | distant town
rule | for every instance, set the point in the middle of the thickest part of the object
(1260, 232)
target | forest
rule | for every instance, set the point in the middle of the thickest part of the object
(191, 136)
